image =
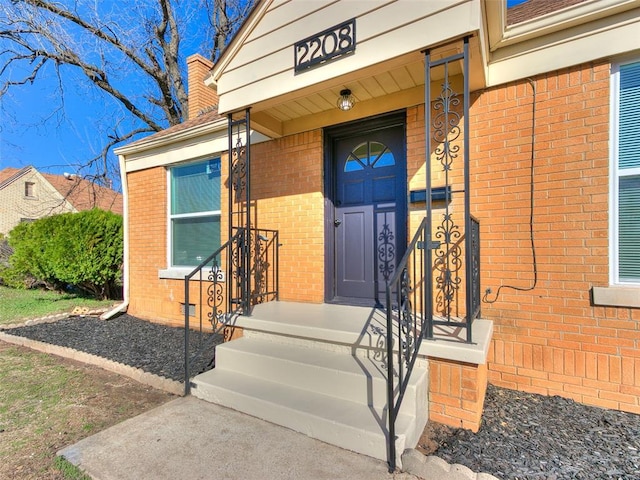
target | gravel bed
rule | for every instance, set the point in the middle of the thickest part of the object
(523, 436)
(528, 436)
(152, 347)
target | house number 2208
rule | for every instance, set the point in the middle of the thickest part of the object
(324, 46)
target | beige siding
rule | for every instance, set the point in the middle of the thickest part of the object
(263, 67)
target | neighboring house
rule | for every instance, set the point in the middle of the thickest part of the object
(27, 194)
(535, 166)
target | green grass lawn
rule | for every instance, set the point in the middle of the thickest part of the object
(47, 403)
(17, 305)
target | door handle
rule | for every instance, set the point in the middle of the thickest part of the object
(337, 222)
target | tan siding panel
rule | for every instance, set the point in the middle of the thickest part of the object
(302, 20)
(283, 13)
(374, 19)
(272, 75)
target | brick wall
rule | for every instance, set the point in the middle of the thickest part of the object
(287, 192)
(548, 340)
(287, 176)
(456, 393)
(201, 97)
(151, 298)
(551, 340)
(147, 241)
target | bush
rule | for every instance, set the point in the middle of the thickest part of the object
(81, 250)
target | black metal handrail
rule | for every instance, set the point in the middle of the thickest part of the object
(405, 304)
(410, 317)
(238, 275)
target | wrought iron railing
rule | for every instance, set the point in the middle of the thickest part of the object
(240, 274)
(475, 269)
(450, 275)
(410, 316)
(405, 322)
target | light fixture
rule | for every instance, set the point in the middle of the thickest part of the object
(346, 100)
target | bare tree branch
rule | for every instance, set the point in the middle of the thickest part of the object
(133, 54)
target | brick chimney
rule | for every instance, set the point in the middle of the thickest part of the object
(200, 96)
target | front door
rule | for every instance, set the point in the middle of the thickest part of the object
(369, 208)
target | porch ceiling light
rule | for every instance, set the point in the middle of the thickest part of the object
(346, 100)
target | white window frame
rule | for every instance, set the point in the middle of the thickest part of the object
(615, 174)
(179, 271)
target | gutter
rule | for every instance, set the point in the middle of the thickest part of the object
(125, 222)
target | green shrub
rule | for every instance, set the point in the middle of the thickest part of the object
(81, 250)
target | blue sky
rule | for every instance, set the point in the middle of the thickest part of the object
(57, 126)
(36, 128)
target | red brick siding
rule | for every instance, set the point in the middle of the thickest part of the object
(551, 340)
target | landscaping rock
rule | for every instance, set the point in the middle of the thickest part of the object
(152, 347)
(529, 436)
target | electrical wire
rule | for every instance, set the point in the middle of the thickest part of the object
(485, 298)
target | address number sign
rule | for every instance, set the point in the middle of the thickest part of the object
(326, 45)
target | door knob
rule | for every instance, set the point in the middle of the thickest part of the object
(337, 222)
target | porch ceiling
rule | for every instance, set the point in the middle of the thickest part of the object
(392, 85)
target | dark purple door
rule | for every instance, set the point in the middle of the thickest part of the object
(370, 212)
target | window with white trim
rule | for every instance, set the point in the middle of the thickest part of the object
(625, 174)
(194, 212)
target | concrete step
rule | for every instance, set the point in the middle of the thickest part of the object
(361, 379)
(350, 425)
(316, 388)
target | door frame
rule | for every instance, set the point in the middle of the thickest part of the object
(337, 132)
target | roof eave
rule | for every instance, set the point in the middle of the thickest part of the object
(152, 143)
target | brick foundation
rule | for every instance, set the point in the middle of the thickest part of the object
(456, 393)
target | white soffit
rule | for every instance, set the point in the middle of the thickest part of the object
(578, 34)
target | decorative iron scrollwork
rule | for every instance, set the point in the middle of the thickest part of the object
(446, 126)
(215, 297)
(448, 264)
(238, 171)
(448, 258)
(260, 267)
(386, 252)
(475, 267)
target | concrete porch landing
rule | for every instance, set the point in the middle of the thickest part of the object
(363, 327)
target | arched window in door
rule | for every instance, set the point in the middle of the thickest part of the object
(369, 155)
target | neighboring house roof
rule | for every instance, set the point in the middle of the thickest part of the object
(85, 195)
(536, 8)
(80, 193)
(7, 173)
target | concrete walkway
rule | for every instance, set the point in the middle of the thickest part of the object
(191, 439)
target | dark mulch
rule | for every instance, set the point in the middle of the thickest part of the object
(528, 436)
(152, 347)
(523, 436)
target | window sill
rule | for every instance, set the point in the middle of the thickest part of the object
(178, 273)
(616, 296)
